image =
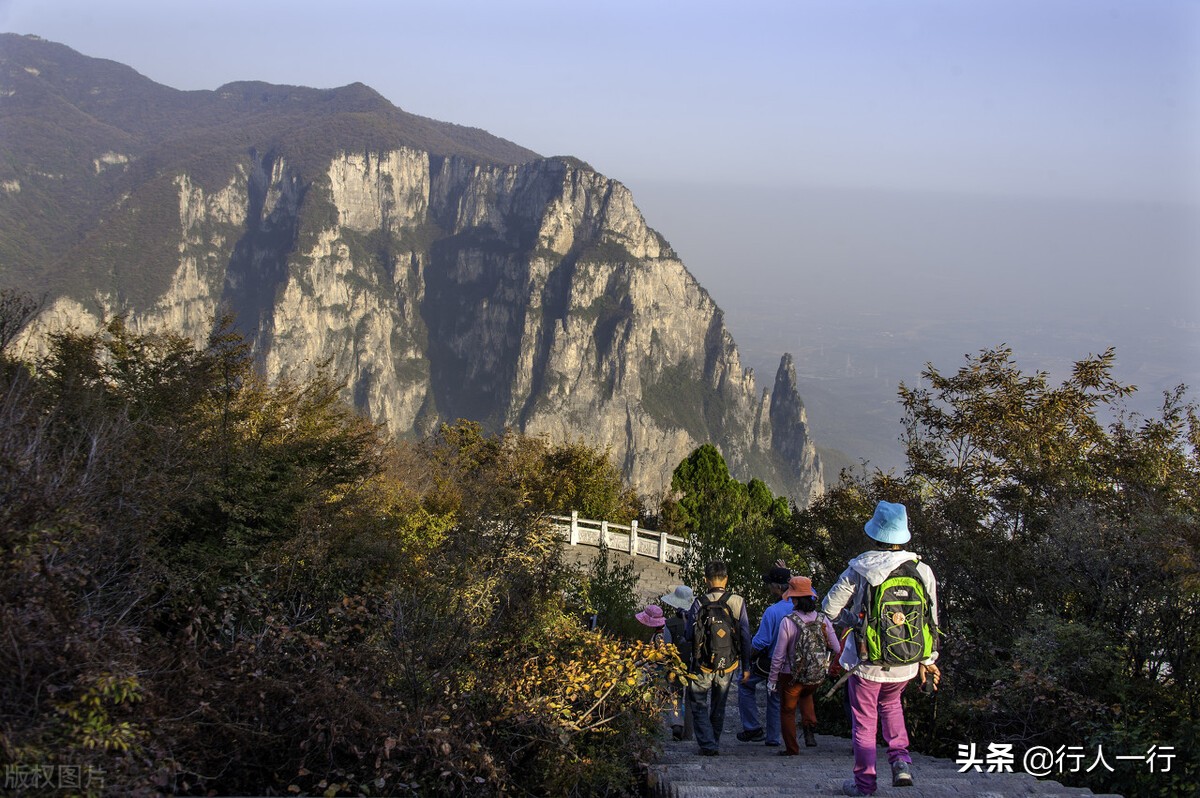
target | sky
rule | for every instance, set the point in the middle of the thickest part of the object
(1047, 97)
(831, 169)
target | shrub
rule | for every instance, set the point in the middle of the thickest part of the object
(212, 584)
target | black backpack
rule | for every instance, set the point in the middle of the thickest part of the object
(677, 627)
(716, 634)
(898, 627)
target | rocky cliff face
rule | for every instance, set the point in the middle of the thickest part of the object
(532, 296)
(443, 273)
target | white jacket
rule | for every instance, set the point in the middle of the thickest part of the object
(844, 601)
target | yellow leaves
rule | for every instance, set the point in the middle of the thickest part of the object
(118, 689)
(588, 681)
(91, 713)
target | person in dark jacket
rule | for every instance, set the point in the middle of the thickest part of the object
(708, 689)
(677, 602)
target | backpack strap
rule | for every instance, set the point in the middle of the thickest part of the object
(723, 602)
(733, 621)
(821, 618)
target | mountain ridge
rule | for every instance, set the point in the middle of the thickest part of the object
(505, 287)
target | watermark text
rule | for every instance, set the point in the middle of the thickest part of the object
(52, 777)
(1043, 761)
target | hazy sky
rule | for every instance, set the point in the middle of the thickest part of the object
(1060, 97)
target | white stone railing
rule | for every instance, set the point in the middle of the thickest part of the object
(619, 537)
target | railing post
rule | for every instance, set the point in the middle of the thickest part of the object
(574, 527)
(604, 534)
(633, 537)
(662, 546)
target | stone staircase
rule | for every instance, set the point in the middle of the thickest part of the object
(753, 770)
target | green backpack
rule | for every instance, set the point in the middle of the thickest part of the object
(897, 625)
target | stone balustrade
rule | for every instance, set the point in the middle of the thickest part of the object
(625, 538)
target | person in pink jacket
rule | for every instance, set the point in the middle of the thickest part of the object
(794, 693)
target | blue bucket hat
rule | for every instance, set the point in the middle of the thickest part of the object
(889, 524)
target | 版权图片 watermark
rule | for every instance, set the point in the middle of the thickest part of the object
(22, 776)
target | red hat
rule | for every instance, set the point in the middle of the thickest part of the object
(799, 586)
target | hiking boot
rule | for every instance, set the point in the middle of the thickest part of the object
(708, 752)
(901, 775)
(677, 732)
(850, 787)
(756, 736)
(810, 739)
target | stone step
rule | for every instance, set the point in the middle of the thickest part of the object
(753, 770)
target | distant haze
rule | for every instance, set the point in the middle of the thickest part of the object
(924, 255)
(864, 287)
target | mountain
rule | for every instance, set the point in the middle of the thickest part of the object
(444, 272)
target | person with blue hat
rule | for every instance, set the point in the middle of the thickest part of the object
(679, 600)
(877, 677)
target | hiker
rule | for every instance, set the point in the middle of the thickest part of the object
(655, 622)
(761, 647)
(895, 596)
(678, 601)
(719, 630)
(800, 663)
(659, 633)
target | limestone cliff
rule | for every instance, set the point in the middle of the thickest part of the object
(532, 296)
(443, 284)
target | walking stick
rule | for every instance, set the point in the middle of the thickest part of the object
(842, 680)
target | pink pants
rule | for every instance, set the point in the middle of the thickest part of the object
(875, 704)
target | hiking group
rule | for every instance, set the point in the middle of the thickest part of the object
(885, 606)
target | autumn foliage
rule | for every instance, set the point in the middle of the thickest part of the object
(210, 583)
(1065, 534)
